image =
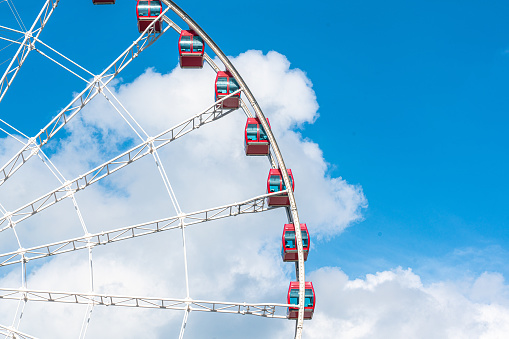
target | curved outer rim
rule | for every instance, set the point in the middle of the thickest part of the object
(259, 114)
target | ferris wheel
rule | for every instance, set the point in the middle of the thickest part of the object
(231, 94)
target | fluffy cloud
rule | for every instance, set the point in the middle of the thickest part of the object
(396, 304)
(233, 259)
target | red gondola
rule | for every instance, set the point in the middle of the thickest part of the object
(147, 11)
(256, 141)
(293, 299)
(289, 242)
(226, 84)
(191, 49)
(275, 184)
(103, 2)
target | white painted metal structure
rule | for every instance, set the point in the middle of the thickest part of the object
(32, 146)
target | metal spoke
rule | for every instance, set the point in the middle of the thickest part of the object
(176, 206)
(12, 41)
(184, 322)
(267, 310)
(12, 30)
(83, 181)
(66, 58)
(164, 177)
(58, 175)
(26, 46)
(122, 115)
(292, 210)
(86, 319)
(145, 40)
(59, 64)
(63, 56)
(253, 205)
(9, 331)
(22, 302)
(149, 145)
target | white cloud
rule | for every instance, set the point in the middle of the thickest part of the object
(234, 259)
(395, 304)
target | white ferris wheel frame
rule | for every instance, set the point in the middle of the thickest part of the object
(149, 145)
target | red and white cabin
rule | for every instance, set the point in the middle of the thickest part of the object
(275, 184)
(191, 49)
(289, 243)
(256, 141)
(309, 300)
(225, 85)
(103, 2)
(147, 11)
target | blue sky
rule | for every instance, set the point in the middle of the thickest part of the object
(413, 108)
(417, 107)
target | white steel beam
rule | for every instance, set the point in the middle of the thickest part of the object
(141, 130)
(26, 46)
(279, 157)
(66, 190)
(11, 332)
(253, 205)
(184, 323)
(267, 310)
(145, 40)
(12, 29)
(63, 56)
(12, 41)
